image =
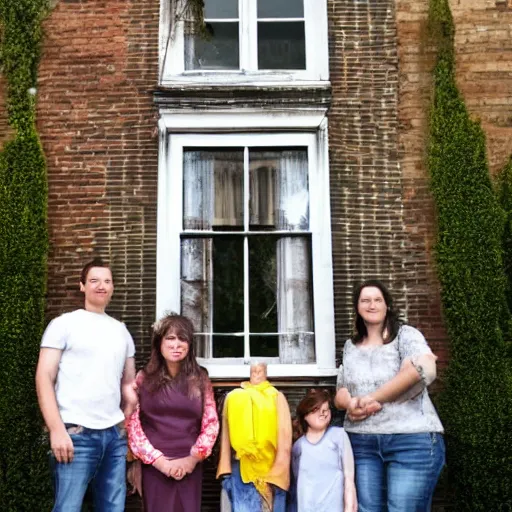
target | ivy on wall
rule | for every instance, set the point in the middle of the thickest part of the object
(504, 191)
(24, 478)
(477, 399)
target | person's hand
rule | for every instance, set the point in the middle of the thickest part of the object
(354, 411)
(370, 405)
(61, 445)
(183, 466)
(130, 399)
(164, 465)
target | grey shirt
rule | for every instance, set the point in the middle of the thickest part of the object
(318, 472)
(365, 369)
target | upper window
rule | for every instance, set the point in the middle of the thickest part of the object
(245, 41)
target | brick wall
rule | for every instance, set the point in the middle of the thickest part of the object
(98, 128)
(382, 217)
(484, 62)
(484, 69)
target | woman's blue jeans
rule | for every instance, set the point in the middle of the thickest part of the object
(99, 459)
(397, 472)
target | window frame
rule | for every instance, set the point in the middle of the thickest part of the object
(172, 51)
(179, 129)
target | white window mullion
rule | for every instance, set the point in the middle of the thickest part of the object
(316, 31)
(247, 341)
(250, 34)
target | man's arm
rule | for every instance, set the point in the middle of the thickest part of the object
(46, 375)
(128, 392)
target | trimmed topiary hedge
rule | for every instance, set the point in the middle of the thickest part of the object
(504, 191)
(25, 483)
(476, 405)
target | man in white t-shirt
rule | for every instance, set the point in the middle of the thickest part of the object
(85, 374)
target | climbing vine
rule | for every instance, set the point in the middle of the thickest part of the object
(24, 479)
(477, 399)
(504, 191)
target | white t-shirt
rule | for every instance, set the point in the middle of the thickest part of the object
(94, 347)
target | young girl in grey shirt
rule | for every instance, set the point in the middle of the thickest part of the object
(322, 461)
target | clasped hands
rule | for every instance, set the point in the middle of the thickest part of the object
(176, 468)
(360, 407)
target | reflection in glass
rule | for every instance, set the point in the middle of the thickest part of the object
(264, 346)
(281, 45)
(278, 188)
(217, 50)
(280, 8)
(262, 284)
(213, 189)
(228, 346)
(228, 284)
(221, 9)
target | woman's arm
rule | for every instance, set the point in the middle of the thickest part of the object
(209, 426)
(138, 442)
(420, 369)
(356, 410)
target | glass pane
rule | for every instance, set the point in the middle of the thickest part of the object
(228, 346)
(264, 346)
(213, 189)
(280, 8)
(262, 284)
(278, 188)
(281, 45)
(221, 9)
(217, 50)
(228, 285)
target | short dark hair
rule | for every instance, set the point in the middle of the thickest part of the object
(96, 262)
(392, 322)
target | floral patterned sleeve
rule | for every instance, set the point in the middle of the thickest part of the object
(138, 442)
(209, 427)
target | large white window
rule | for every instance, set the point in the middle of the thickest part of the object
(244, 41)
(244, 245)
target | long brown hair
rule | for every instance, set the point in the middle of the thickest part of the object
(392, 321)
(191, 378)
(314, 399)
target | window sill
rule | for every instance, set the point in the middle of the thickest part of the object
(221, 370)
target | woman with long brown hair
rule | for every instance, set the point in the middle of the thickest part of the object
(176, 424)
(322, 460)
(394, 429)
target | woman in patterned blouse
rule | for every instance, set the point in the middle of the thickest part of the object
(176, 424)
(396, 434)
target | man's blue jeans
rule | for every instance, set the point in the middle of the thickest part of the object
(99, 459)
(397, 472)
